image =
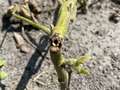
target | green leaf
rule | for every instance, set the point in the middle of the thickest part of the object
(3, 75)
(2, 62)
(82, 59)
(82, 71)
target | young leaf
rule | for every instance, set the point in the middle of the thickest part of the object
(84, 71)
(3, 75)
(82, 59)
(2, 62)
(80, 70)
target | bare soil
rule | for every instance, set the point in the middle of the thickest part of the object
(97, 32)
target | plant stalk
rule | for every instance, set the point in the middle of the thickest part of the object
(36, 25)
(58, 35)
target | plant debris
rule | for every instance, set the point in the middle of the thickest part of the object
(21, 44)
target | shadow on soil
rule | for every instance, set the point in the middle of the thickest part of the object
(34, 63)
(2, 86)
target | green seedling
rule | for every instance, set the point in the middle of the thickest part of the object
(3, 74)
(77, 63)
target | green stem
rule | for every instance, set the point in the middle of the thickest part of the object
(67, 12)
(58, 33)
(36, 25)
(63, 75)
(63, 21)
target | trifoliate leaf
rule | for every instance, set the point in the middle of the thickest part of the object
(3, 75)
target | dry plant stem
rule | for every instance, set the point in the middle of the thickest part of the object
(34, 24)
(27, 39)
(21, 43)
